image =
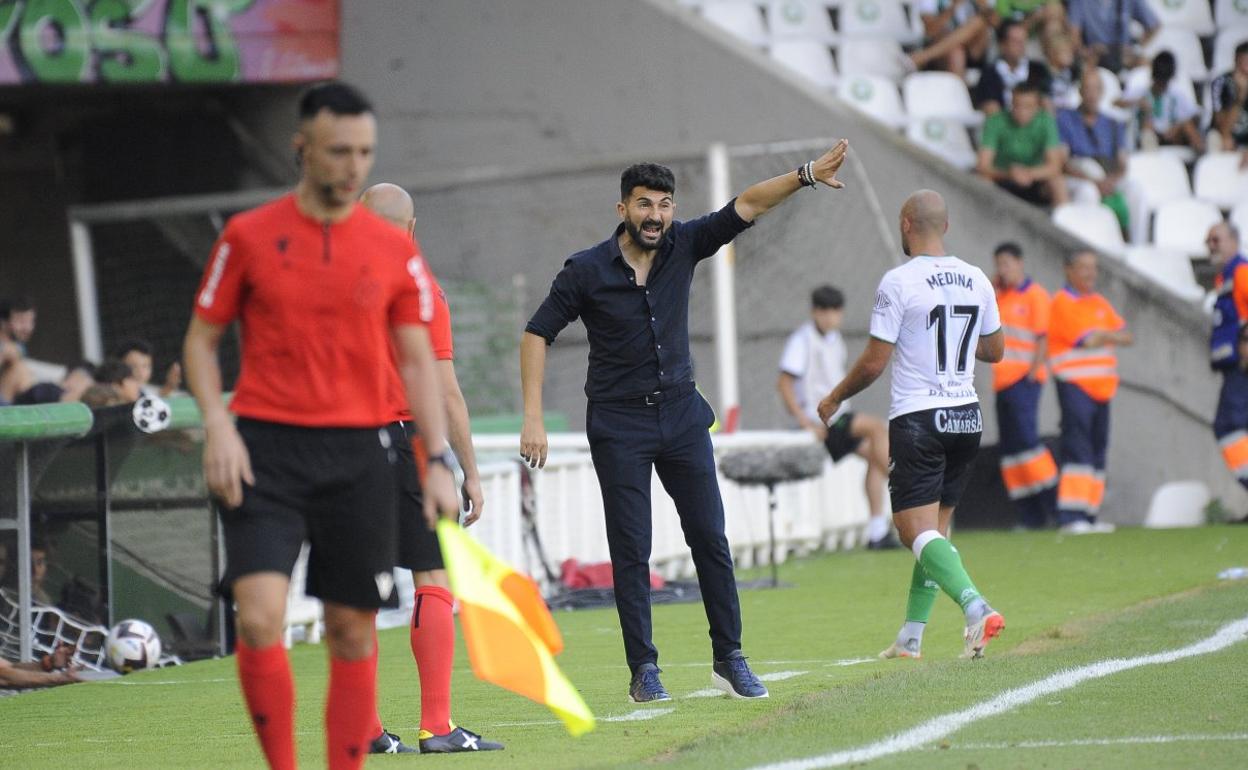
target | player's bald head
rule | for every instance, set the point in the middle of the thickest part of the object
(925, 211)
(390, 202)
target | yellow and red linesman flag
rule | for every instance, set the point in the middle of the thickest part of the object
(510, 635)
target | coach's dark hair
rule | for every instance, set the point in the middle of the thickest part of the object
(827, 297)
(131, 345)
(1164, 66)
(1009, 247)
(338, 98)
(1005, 28)
(651, 176)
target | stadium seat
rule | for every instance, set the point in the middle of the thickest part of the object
(1224, 44)
(875, 20)
(1230, 13)
(939, 95)
(871, 57)
(1160, 177)
(1195, 15)
(1170, 269)
(1183, 224)
(874, 96)
(1186, 48)
(741, 19)
(1219, 179)
(1178, 504)
(1095, 223)
(800, 20)
(945, 138)
(1111, 91)
(809, 58)
(1140, 77)
(1239, 218)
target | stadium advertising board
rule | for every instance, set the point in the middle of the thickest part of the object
(167, 41)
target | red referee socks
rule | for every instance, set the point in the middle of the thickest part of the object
(350, 710)
(433, 647)
(270, 694)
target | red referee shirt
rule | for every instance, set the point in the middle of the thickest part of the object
(439, 338)
(316, 304)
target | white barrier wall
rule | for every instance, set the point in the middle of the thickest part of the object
(828, 512)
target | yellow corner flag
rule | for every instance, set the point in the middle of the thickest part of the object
(510, 635)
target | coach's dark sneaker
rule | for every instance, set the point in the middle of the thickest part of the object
(389, 743)
(458, 739)
(646, 687)
(734, 677)
(886, 543)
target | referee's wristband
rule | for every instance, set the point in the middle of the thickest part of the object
(443, 458)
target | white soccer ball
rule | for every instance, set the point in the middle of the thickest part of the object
(152, 414)
(132, 645)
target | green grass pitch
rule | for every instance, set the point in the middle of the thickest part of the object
(1068, 601)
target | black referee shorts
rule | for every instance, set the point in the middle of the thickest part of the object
(418, 545)
(931, 454)
(333, 487)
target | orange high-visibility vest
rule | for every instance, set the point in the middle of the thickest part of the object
(1025, 321)
(1072, 317)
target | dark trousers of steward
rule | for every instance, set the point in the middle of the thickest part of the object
(669, 432)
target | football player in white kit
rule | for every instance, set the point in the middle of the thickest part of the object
(939, 314)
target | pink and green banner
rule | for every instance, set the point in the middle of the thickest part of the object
(167, 41)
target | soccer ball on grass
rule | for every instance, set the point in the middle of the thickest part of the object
(132, 645)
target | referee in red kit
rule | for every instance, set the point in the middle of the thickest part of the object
(320, 287)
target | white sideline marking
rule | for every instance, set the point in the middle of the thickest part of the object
(851, 661)
(947, 724)
(1130, 741)
(167, 681)
(709, 692)
(778, 676)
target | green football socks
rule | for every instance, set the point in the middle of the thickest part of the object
(940, 561)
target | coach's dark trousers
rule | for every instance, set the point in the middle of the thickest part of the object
(671, 435)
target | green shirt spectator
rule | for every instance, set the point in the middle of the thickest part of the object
(1018, 9)
(1017, 145)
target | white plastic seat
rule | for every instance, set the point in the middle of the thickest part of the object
(875, 19)
(800, 20)
(874, 96)
(939, 95)
(1185, 46)
(1230, 13)
(1095, 223)
(1162, 177)
(1195, 15)
(808, 58)
(741, 19)
(945, 138)
(871, 57)
(1111, 91)
(1139, 79)
(1219, 179)
(1183, 224)
(1239, 218)
(1170, 269)
(1178, 504)
(1224, 44)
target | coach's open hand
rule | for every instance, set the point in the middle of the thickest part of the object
(533, 446)
(440, 497)
(829, 163)
(227, 465)
(827, 408)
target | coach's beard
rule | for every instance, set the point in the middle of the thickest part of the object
(639, 238)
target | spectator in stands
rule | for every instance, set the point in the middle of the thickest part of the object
(1102, 30)
(78, 377)
(118, 376)
(1020, 150)
(1230, 105)
(7, 557)
(1012, 67)
(17, 325)
(50, 671)
(138, 354)
(39, 571)
(1096, 149)
(1167, 115)
(1065, 71)
(1042, 17)
(943, 18)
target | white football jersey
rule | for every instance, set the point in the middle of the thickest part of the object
(934, 309)
(818, 362)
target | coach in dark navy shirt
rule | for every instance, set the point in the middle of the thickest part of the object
(632, 293)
